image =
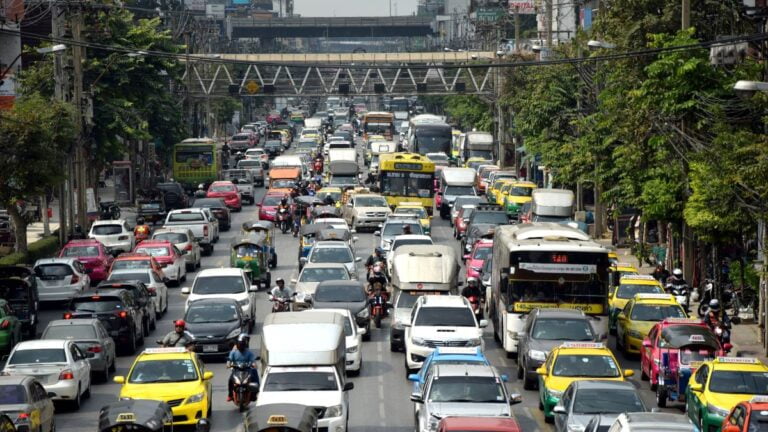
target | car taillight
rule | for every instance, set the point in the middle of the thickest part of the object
(67, 315)
(188, 247)
(205, 230)
(122, 314)
(22, 418)
(75, 279)
(66, 375)
(5, 324)
(152, 290)
(95, 348)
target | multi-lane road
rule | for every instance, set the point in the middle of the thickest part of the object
(380, 399)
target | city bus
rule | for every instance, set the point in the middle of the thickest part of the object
(545, 265)
(196, 161)
(429, 133)
(378, 123)
(407, 177)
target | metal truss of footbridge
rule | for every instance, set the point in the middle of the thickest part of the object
(361, 74)
(347, 27)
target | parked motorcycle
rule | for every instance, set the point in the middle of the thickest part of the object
(282, 220)
(109, 210)
(243, 390)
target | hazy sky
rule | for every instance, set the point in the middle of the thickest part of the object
(352, 8)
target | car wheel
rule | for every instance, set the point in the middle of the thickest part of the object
(53, 425)
(76, 402)
(131, 349)
(367, 335)
(519, 369)
(111, 368)
(643, 375)
(528, 383)
(190, 266)
(153, 323)
(199, 261)
(87, 392)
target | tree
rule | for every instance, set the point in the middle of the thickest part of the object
(36, 135)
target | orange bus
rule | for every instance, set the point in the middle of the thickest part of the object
(379, 123)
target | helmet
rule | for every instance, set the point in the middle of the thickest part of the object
(139, 220)
(284, 201)
(471, 280)
(379, 250)
(677, 272)
(180, 323)
(278, 280)
(243, 340)
(714, 305)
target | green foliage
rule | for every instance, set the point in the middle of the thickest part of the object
(225, 108)
(469, 111)
(46, 247)
(751, 276)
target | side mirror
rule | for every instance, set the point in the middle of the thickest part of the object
(185, 291)
(377, 233)
(727, 347)
(541, 371)
(303, 260)
(207, 375)
(253, 288)
(515, 398)
(353, 231)
(730, 428)
(362, 330)
(118, 379)
(466, 257)
(413, 377)
(294, 280)
(166, 280)
(358, 259)
(504, 377)
(349, 386)
(483, 323)
(610, 296)
(629, 373)
(415, 397)
(559, 409)
(696, 387)
(355, 238)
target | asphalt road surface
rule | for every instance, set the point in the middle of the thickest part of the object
(380, 399)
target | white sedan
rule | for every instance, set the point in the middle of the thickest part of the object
(59, 365)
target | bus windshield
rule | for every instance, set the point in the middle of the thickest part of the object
(407, 184)
(433, 140)
(189, 154)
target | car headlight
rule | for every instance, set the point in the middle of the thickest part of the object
(537, 355)
(717, 410)
(555, 393)
(363, 313)
(233, 334)
(195, 398)
(635, 334)
(574, 427)
(126, 398)
(352, 350)
(418, 341)
(334, 411)
(474, 342)
(244, 302)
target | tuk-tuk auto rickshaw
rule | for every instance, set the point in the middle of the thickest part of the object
(281, 417)
(251, 254)
(326, 212)
(268, 228)
(18, 286)
(305, 204)
(136, 415)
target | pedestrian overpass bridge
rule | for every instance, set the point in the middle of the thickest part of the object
(357, 74)
(329, 27)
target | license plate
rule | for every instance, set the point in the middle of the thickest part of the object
(210, 348)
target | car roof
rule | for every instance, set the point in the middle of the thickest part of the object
(15, 379)
(155, 243)
(83, 242)
(73, 321)
(442, 301)
(658, 420)
(339, 283)
(654, 299)
(222, 182)
(212, 300)
(558, 313)
(224, 271)
(164, 353)
(131, 256)
(46, 261)
(40, 344)
(324, 265)
(331, 244)
(100, 292)
(108, 222)
(603, 385)
(136, 270)
(413, 237)
(487, 424)
(470, 369)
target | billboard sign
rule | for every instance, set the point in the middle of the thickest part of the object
(522, 7)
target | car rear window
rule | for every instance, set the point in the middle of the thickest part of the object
(12, 394)
(131, 264)
(96, 304)
(134, 276)
(40, 355)
(80, 251)
(155, 251)
(185, 217)
(172, 237)
(53, 270)
(106, 229)
(70, 332)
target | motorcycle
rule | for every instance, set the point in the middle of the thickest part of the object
(243, 390)
(680, 292)
(722, 331)
(708, 295)
(474, 301)
(280, 304)
(109, 211)
(282, 220)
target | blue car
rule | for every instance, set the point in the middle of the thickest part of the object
(445, 355)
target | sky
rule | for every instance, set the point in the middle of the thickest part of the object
(352, 8)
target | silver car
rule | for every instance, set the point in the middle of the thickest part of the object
(395, 227)
(90, 336)
(60, 279)
(583, 399)
(156, 286)
(24, 394)
(311, 276)
(184, 240)
(333, 252)
(466, 390)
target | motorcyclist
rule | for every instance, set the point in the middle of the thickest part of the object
(241, 354)
(661, 273)
(376, 257)
(141, 230)
(676, 280)
(472, 288)
(284, 205)
(377, 275)
(378, 297)
(280, 291)
(200, 192)
(179, 337)
(715, 318)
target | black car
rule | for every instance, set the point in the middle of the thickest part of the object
(153, 211)
(348, 295)
(482, 221)
(18, 286)
(117, 310)
(143, 298)
(216, 323)
(273, 148)
(174, 195)
(219, 210)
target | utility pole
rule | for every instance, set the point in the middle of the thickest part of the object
(686, 14)
(549, 23)
(517, 30)
(80, 157)
(57, 28)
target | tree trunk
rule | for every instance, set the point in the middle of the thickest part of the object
(19, 227)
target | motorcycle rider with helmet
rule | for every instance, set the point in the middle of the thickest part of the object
(377, 276)
(472, 289)
(179, 337)
(141, 230)
(715, 318)
(677, 283)
(284, 205)
(376, 257)
(676, 279)
(280, 292)
(241, 354)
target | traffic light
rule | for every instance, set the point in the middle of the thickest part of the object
(421, 87)
(268, 88)
(460, 87)
(344, 88)
(379, 88)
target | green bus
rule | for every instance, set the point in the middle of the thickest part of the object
(196, 161)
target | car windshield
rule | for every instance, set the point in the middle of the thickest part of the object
(370, 202)
(155, 251)
(627, 291)
(70, 332)
(343, 293)
(741, 382)
(221, 188)
(131, 264)
(482, 253)
(211, 313)
(132, 276)
(219, 285)
(37, 356)
(606, 401)
(562, 329)
(445, 317)
(331, 255)
(154, 371)
(11, 394)
(106, 229)
(459, 190)
(172, 237)
(397, 243)
(439, 157)
(652, 312)
(282, 183)
(323, 274)
(493, 218)
(341, 180)
(96, 304)
(300, 381)
(405, 300)
(598, 366)
(271, 201)
(394, 229)
(58, 270)
(521, 191)
(466, 389)
(419, 211)
(80, 251)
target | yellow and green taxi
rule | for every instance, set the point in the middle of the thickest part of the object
(720, 384)
(334, 192)
(517, 194)
(640, 314)
(629, 285)
(494, 190)
(575, 361)
(172, 375)
(415, 208)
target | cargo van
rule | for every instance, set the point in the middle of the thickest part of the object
(454, 182)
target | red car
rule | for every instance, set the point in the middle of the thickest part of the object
(486, 424)
(227, 191)
(170, 259)
(747, 416)
(92, 254)
(460, 223)
(274, 117)
(474, 260)
(268, 206)
(691, 337)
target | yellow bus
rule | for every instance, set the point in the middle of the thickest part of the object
(196, 161)
(378, 123)
(407, 177)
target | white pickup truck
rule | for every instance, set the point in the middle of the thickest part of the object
(243, 179)
(200, 221)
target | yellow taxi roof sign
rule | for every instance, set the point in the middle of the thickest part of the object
(638, 277)
(759, 399)
(585, 345)
(170, 350)
(651, 296)
(277, 420)
(681, 321)
(737, 360)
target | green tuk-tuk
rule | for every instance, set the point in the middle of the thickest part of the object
(282, 417)
(268, 229)
(251, 253)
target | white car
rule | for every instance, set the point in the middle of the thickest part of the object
(403, 240)
(155, 285)
(60, 279)
(113, 234)
(393, 228)
(59, 365)
(311, 275)
(333, 251)
(353, 340)
(366, 210)
(440, 321)
(184, 240)
(231, 283)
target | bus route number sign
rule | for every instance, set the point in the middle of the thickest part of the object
(407, 166)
